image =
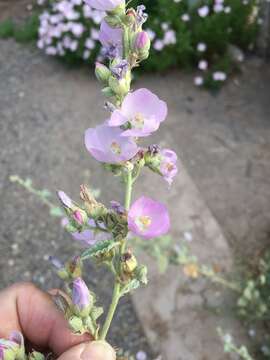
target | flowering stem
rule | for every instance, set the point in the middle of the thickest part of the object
(113, 306)
(117, 286)
(129, 183)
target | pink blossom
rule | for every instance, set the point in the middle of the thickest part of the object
(111, 39)
(142, 110)
(148, 218)
(203, 11)
(198, 80)
(203, 65)
(158, 45)
(168, 167)
(107, 145)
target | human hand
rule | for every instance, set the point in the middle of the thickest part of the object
(25, 308)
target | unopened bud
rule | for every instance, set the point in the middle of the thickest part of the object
(81, 298)
(36, 356)
(119, 87)
(131, 16)
(108, 92)
(142, 44)
(102, 72)
(141, 274)
(76, 324)
(80, 216)
(74, 267)
(129, 262)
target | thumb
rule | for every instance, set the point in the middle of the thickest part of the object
(96, 350)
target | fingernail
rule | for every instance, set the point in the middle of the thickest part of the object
(98, 350)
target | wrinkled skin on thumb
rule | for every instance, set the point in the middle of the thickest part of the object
(95, 350)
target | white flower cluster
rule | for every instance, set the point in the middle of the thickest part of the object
(66, 28)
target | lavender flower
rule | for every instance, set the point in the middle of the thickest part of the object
(219, 76)
(117, 207)
(120, 68)
(105, 5)
(203, 11)
(141, 15)
(111, 40)
(168, 166)
(148, 218)
(81, 297)
(108, 145)
(88, 237)
(65, 199)
(142, 110)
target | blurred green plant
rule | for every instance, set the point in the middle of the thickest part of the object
(231, 348)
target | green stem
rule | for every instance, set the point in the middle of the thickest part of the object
(128, 190)
(117, 286)
(113, 306)
(220, 280)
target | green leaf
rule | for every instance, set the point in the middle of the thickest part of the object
(56, 211)
(96, 312)
(132, 285)
(100, 249)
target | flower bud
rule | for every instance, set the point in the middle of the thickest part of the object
(108, 92)
(36, 356)
(141, 45)
(60, 268)
(102, 72)
(18, 339)
(119, 87)
(141, 274)
(129, 263)
(76, 324)
(74, 267)
(81, 298)
(80, 217)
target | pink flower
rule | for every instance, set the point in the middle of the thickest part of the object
(88, 237)
(81, 297)
(198, 81)
(203, 65)
(111, 40)
(219, 76)
(104, 5)
(107, 145)
(168, 166)
(203, 11)
(142, 110)
(148, 218)
(158, 45)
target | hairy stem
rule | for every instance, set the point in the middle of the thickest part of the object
(117, 286)
(113, 306)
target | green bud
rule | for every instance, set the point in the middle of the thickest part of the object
(141, 274)
(113, 20)
(36, 356)
(9, 354)
(102, 72)
(76, 324)
(118, 11)
(120, 87)
(108, 92)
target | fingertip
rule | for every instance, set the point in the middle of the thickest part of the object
(98, 350)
